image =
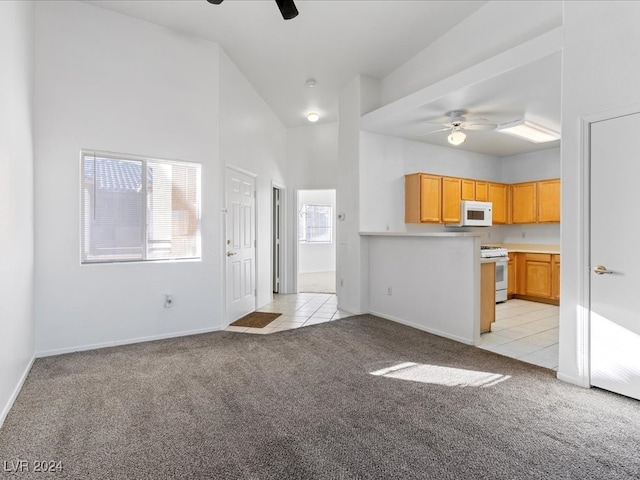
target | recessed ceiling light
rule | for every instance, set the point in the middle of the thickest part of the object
(311, 83)
(313, 117)
(529, 131)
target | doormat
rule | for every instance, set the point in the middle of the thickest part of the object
(256, 319)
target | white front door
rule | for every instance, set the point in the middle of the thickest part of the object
(240, 244)
(615, 261)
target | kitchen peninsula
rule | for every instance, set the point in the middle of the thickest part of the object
(429, 281)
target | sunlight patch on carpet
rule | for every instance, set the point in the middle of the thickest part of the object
(447, 376)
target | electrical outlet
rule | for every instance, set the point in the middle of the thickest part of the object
(168, 301)
(524, 234)
(341, 282)
(389, 291)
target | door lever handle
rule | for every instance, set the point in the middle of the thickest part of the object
(231, 254)
(601, 270)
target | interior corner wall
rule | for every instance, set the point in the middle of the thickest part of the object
(16, 199)
(109, 82)
(600, 72)
(254, 139)
(351, 266)
(385, 160)
(496, 27)
(312, 162)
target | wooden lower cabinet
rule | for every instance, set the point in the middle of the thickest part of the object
(537, 282)
(536, 277)
(555, 277)
(511, 276)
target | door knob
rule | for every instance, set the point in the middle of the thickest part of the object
(601, 270)
(231, 254)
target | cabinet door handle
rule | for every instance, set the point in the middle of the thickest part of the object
(230, 254)
(601, 270)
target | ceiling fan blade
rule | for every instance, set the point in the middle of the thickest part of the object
(479, 126)
(434, 131)
(287, 9)
(215, 2)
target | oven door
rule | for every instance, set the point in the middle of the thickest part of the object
(501, 279)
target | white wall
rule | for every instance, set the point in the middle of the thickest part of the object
(434, 282)
(16, 198)
(254, 139)
(105, 81)
(318, 257)
(312, 162)
(385, 160)
(600, 72)
(494, 28)
(526, 168)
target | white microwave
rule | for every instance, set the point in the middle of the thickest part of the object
(474, 214)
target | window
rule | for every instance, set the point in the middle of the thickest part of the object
(136, 209)
(314, 224)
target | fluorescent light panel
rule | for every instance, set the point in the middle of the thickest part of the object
(529, 131)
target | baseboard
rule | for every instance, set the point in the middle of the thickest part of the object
(579, 381)
(548, 301)
(16, 392)
(117, 343)
(423, 328)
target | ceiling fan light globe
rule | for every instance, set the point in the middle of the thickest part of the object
(456, 138)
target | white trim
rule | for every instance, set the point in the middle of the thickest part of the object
(579, 381)
(242, 170)
(16, 391)
(423, 328)
(117, 343)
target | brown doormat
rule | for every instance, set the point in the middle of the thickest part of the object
(256, 319)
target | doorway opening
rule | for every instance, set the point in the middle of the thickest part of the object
(316, 241)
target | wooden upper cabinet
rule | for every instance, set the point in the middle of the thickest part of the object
(549, 201)
(451, 194)
(523, 202)
(498, 195)
(481, 191)
(423, 197)
(468, 189)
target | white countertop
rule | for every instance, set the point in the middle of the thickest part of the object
(529, 248)
(421, 234)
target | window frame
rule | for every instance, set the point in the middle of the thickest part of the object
(305, 241)
(145, 233)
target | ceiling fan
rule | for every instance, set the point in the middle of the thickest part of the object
(287, 8)
(456, 122)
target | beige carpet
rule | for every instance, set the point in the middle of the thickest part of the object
(317, 282)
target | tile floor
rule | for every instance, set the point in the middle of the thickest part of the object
(525, 330)
(298, 310)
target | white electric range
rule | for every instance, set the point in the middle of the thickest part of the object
(502, 262)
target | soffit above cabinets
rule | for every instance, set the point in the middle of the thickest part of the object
(524, 82)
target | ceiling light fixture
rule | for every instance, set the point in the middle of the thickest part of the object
(457, 136)
(529, 131)
(313, 117)
(287, 8)
(311, 83)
